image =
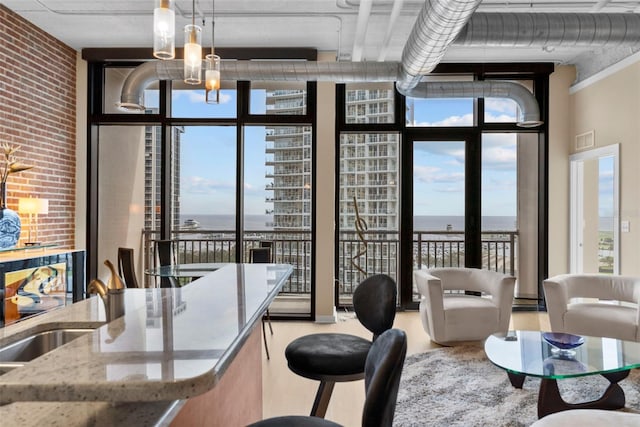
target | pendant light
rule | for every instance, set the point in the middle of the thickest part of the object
(212, 63)
(193, 50)
(164, 30)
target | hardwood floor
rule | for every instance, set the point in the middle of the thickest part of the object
(285, 393)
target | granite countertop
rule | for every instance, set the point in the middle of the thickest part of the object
(170, 345)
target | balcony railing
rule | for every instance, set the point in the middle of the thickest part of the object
(194, 246)
(430, 249)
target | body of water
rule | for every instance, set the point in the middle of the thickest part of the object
(456, 223)
(421, 222)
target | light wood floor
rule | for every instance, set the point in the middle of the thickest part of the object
(285, 393)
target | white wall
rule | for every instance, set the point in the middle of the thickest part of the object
(610, 106)
(560, 124)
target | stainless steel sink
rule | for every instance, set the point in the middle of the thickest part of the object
(20, 352)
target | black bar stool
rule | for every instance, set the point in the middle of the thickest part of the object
(331, 357)
(383, 369)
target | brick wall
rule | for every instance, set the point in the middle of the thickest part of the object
(38, 112)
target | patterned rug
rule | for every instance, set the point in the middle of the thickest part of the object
(458, 386)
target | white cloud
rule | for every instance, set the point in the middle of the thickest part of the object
(453, 189)
(502, 118)
(500, 105)
(499, 158)
(507, 116)
(500, 184)
(498, 139)
(250, 188)
(197, 96)
(434, 175)
(200, 185)
(424, 173)
(466, 120)
(455, 150)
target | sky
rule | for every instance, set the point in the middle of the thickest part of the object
(439, 165)
(208, 160)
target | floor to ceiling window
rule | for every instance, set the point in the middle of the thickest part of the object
(249, 162)
(469, 183)
(368, 186)
(216, 180)
(439, 203)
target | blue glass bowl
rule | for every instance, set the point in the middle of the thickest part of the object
(563, 341)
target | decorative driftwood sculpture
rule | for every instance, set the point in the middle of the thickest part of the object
(361, 226)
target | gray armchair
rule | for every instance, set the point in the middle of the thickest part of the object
(598, 305)
(450, 315)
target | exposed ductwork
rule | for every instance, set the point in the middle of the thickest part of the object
(438, 24)
(344, 72)
(545, 29)
(529, 111)
(341, 72)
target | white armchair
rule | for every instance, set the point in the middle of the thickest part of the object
(597, 305)
(451, 317)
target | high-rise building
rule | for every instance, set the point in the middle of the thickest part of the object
(369, 171)
(152, 159)
(288, 150)
(369, 177)
(369, 163)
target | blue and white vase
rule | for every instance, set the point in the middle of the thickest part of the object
(9, 222)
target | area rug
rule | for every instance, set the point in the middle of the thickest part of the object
(458, 386)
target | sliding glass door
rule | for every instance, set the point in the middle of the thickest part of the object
(595, 218)
(474, 203)
(441, 209)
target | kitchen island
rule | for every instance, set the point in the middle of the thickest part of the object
(180, 356)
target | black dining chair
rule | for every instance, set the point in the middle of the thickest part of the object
(333, 357)
(164, 250)
(126, 267)
(382, 372)
(268, 244)
(262, 255)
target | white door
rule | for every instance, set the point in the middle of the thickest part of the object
(594, 221)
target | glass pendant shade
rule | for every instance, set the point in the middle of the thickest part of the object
(212, 79)
(164, 33)
(192, 54)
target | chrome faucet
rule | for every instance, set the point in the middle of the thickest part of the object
(112, 293)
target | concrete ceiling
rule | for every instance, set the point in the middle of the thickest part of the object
(327, 25)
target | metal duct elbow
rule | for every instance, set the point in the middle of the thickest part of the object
(529, 111)
(132, 95)
(437, 26)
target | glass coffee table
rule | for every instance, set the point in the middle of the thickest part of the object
(527, 353)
